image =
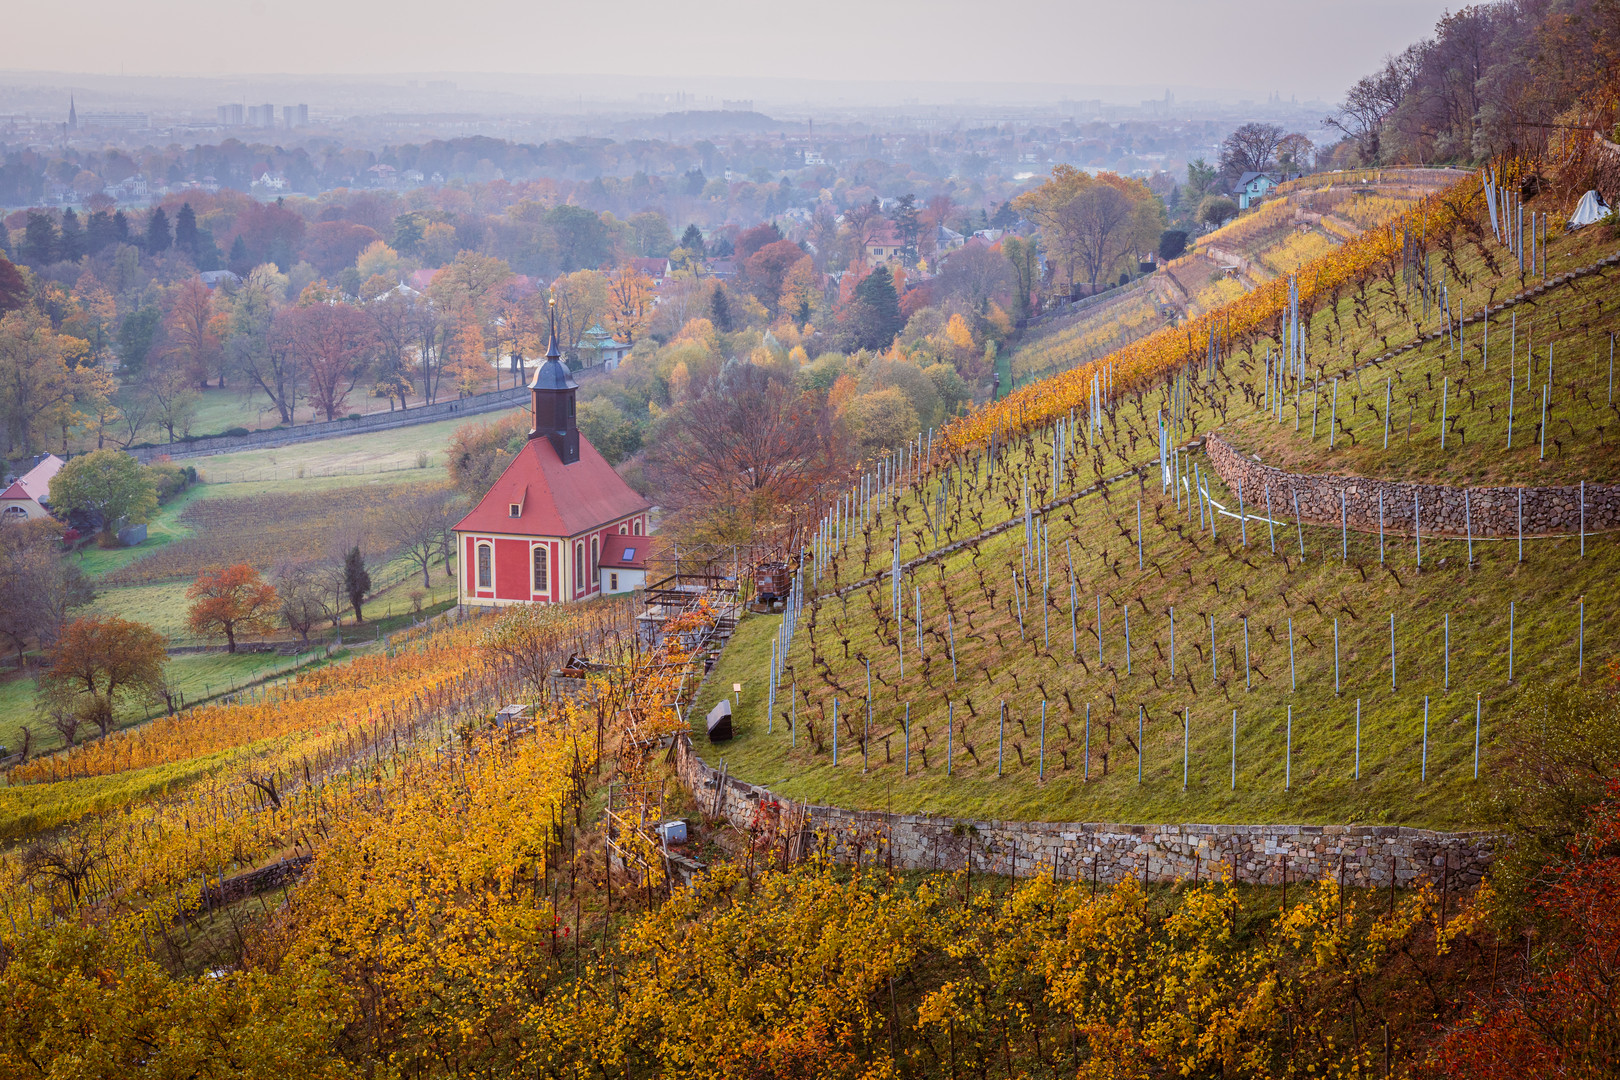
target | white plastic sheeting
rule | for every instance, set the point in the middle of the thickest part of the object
(1589, 210)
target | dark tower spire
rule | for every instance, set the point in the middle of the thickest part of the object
(73, 115)
(552, 396)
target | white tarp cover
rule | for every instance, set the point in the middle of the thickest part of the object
(1589, 210)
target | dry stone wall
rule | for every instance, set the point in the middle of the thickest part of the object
(1441, 510)
(1369, 856)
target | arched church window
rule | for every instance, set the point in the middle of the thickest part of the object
(542, 568)
(486, 572)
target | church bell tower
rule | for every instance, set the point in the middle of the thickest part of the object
(552, 396)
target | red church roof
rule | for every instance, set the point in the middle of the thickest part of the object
(556, 499)
(15, 491)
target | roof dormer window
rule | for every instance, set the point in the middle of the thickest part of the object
(514, 509)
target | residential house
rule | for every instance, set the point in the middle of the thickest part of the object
(1251, 188)
(29, 496)
(598, 347)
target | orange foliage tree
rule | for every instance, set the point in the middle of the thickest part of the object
(98, 661)
(1565, 1020)
(232, 600)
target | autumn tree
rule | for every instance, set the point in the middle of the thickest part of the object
(766, 272)
(1098, 221)
(732, 456)
(479, 450)
(630, 296)
(107, 485)
(1025, 259)
(37, 586)
(37, 381)
(472, 280)
(391, 316)
(98, 663)
(469, 362)
(332, 342)
(231, 600)
(259, 345)
(583, 300)
(1083, 228)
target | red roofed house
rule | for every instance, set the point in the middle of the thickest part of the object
(656, 270)
(28, 496)
(539, 534)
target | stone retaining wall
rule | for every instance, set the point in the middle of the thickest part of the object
(1368, 855)
(1494, 511)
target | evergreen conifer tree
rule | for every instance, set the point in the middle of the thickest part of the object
(70, 243)
(239, 257)
(876, 311)
(157, 232)
(39, 240)
(356, 581)
(692, 240)
(720, 309)
(185, 231)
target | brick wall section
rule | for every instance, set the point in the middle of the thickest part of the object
(1163, 853)
(1494, 510)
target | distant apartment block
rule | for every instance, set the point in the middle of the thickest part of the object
(230, 115)
(295, 116)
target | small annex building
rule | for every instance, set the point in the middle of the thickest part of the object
(539, 534)
(624, 563)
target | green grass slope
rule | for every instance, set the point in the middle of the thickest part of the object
(1295, 705)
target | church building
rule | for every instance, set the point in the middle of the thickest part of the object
(539, 534)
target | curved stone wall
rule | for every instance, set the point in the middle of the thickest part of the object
(1368, 855)
(1442, 510)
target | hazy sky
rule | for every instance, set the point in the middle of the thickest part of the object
(1304, 47)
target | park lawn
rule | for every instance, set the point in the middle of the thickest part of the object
(421, 446)
(164, 528)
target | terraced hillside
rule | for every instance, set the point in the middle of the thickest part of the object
(1318, 672)
(1305, 220)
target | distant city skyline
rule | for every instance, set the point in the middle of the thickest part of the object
(1291, 47)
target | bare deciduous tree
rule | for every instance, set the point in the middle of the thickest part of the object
(415, 527)
(1250, 148)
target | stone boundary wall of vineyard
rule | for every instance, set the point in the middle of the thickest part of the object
(1494, 511)
(1368, 855)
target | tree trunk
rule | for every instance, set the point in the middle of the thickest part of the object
(230, 638)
